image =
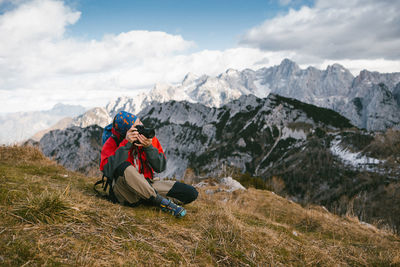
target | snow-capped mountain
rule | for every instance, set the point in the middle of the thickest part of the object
(368, 79)
(381, 109)
(371, 100)
(95, 116)
(374, 101)
(21, 125)
(210, 91)
(189, 130)
(335, 88)
(240, 133)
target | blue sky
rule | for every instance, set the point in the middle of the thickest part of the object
(211, 24)
(89, 52)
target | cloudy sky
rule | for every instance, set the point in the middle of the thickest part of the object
(88, 52)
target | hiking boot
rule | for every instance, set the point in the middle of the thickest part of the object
(169, 206)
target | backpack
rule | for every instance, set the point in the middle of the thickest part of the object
(107, 181)
(106, 133)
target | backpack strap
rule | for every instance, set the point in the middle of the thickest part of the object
(102, 185)
(99, 182)
(111, 195)
(105, 182)
(117, 141)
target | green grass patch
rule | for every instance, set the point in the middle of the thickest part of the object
(35, 169)
(44, 208)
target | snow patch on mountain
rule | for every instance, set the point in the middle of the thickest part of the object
(295, 134)
(355, 159)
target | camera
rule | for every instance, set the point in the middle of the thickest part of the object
(147, 132)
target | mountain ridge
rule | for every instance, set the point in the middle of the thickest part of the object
(335, 88)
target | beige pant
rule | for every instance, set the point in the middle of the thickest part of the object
(133, 186)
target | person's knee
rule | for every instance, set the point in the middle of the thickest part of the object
(183, 192)
(191, 194)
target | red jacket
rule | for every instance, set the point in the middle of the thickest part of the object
(114, 159)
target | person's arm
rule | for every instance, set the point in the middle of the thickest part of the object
(113, 159)
(155, 156)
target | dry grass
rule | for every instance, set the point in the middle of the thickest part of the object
(49, 216)
(19, 154)
(44, 208)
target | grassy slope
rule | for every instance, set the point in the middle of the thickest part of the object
(50, 216)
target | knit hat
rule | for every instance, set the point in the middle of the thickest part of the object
(123, 121)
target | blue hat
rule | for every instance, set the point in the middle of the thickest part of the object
(123, 121)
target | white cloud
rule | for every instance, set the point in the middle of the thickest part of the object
(40, 66)
(96, 84)
(35, 21)
(342, 29)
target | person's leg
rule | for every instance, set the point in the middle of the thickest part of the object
(123, 192)
(133, 186)
(179, 192)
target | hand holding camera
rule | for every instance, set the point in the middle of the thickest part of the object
(140, 135)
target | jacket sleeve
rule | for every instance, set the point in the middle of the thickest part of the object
(113, 157)
(155, 156)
